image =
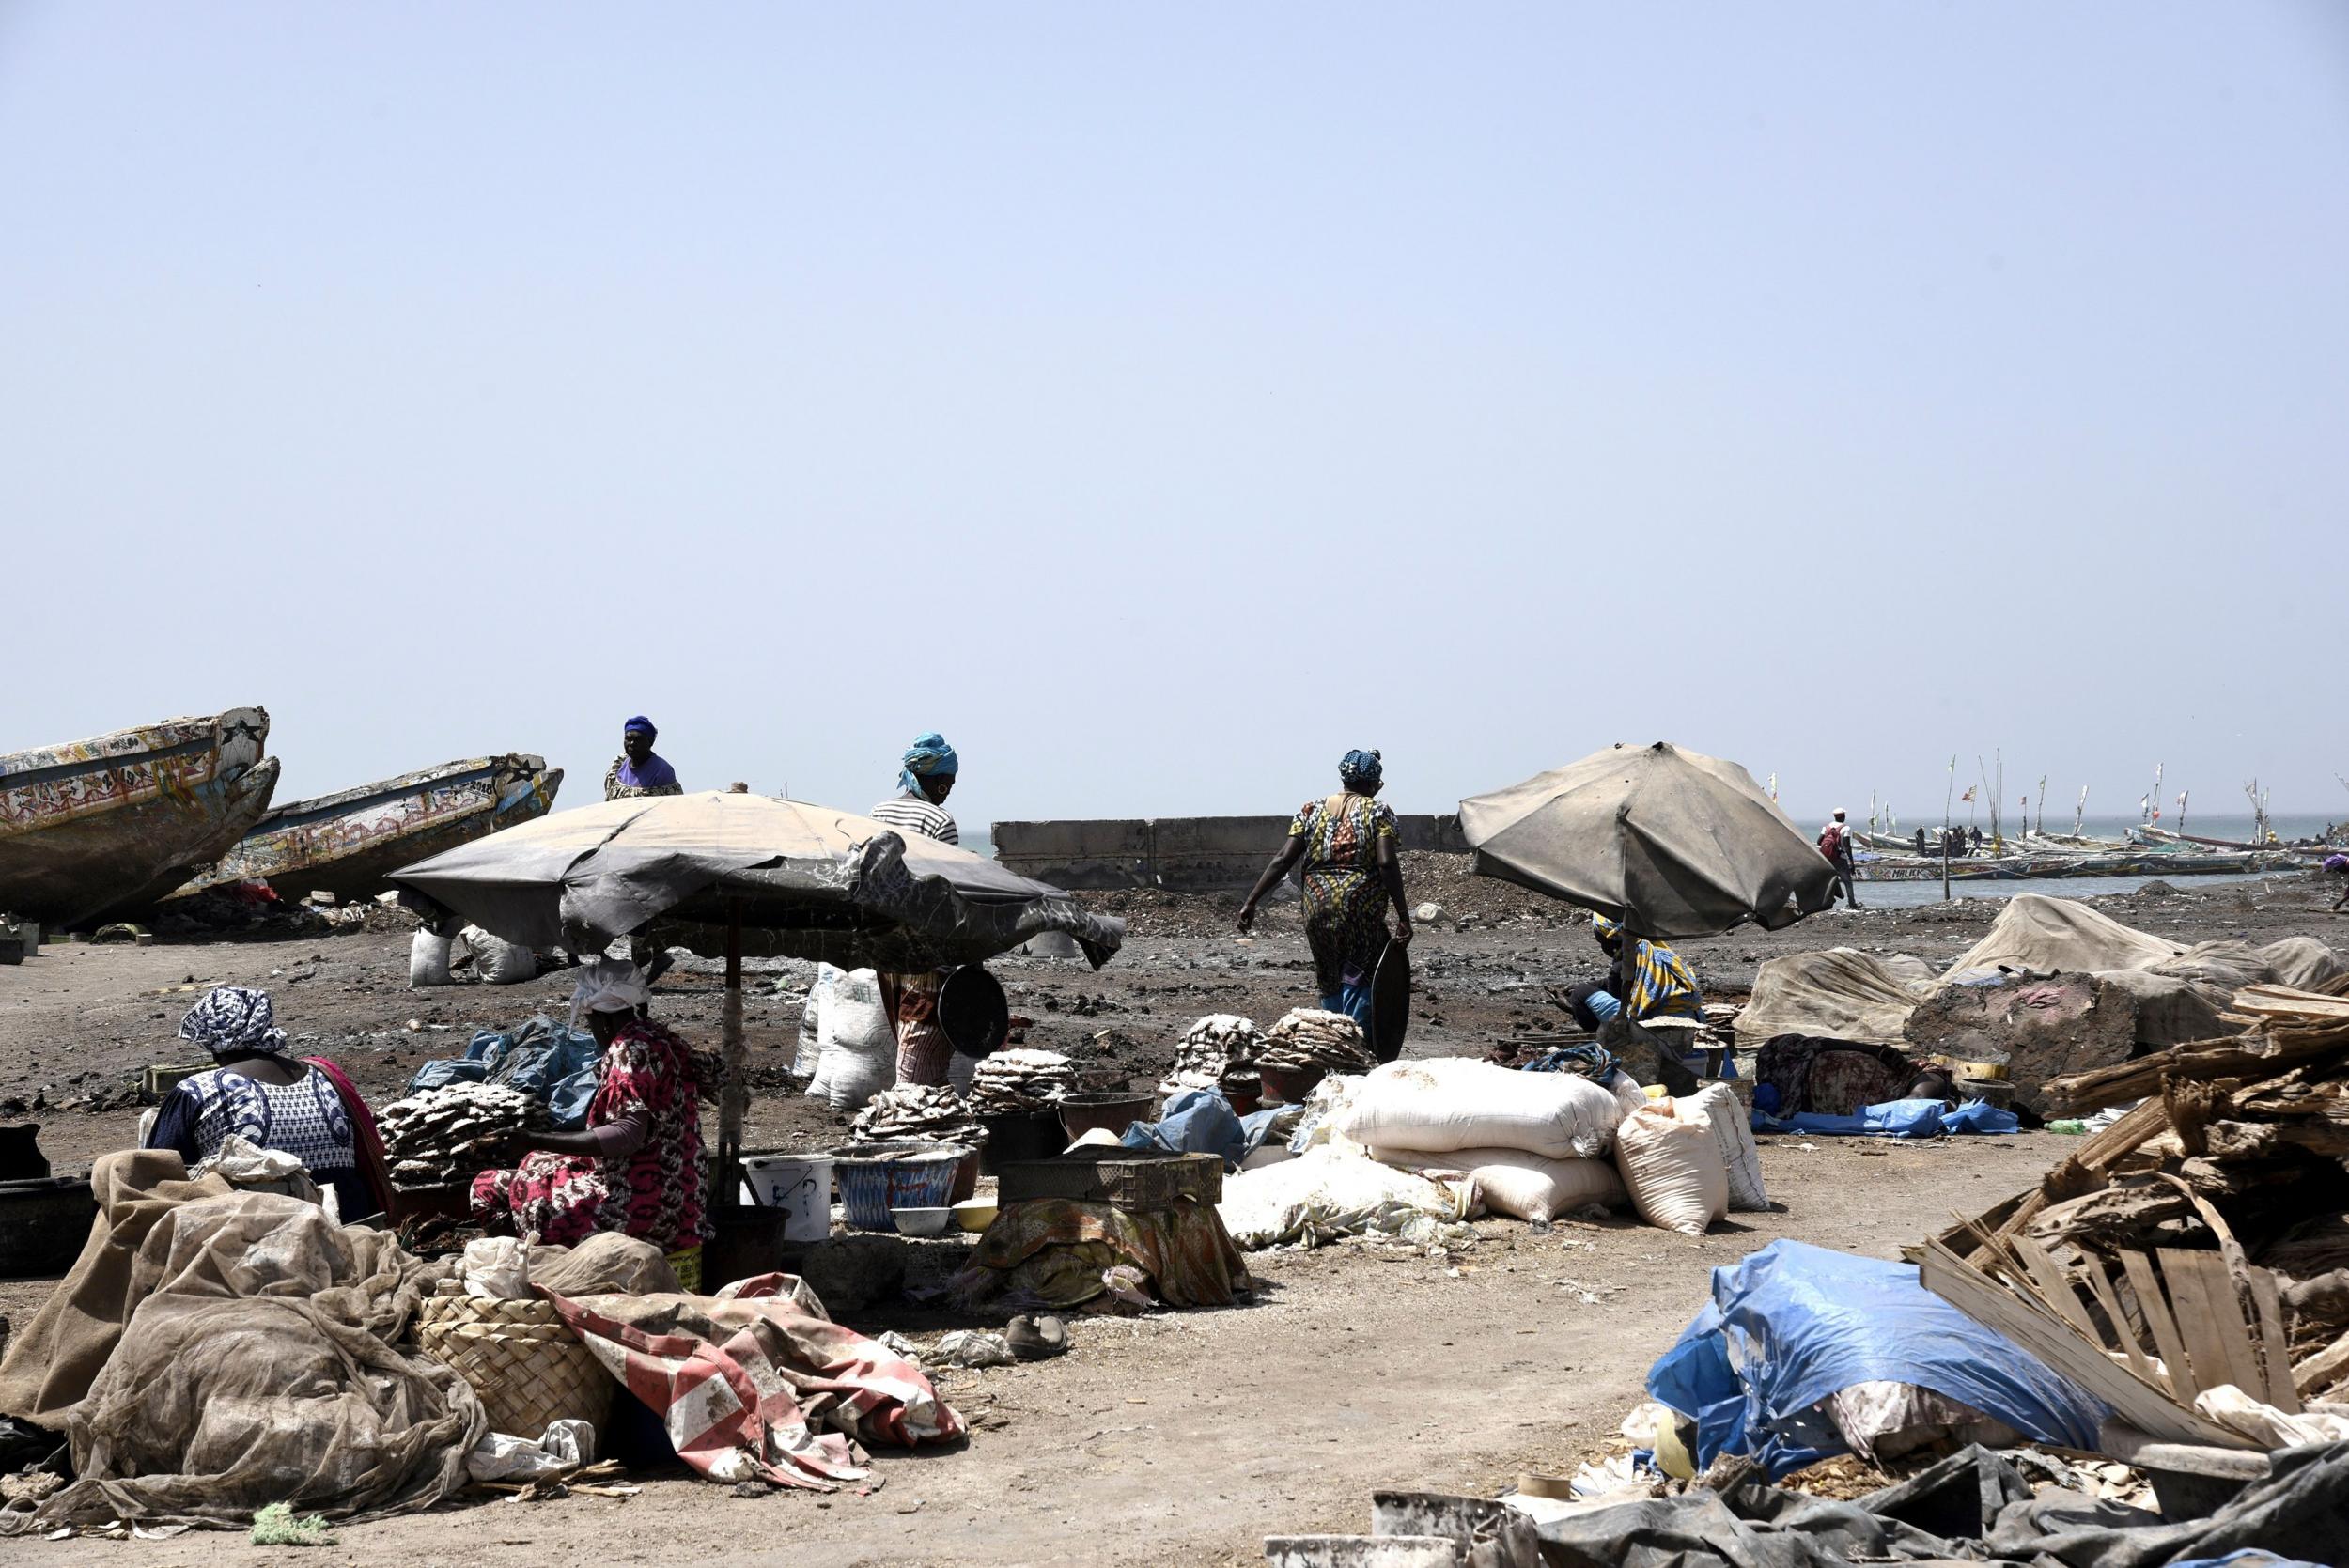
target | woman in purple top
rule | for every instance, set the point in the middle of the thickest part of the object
(638, 770)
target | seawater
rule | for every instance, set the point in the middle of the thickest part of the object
(1909, 896)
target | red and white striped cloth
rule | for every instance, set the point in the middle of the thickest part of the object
(752, 1385)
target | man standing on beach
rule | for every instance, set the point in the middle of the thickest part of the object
(1835, 843)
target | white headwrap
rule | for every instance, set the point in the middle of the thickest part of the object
(608, 986)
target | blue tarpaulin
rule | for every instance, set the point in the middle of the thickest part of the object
(1794, 1324)
(1895, 1119)
(541, 1058)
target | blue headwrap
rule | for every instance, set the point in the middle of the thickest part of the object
(639, 722)
(928, 757)
(1360, 770)
(233, 1020)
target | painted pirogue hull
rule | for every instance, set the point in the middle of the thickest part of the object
(348, 844)
(109, 825)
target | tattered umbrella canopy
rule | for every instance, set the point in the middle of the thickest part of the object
(808, 881)
(1671, 842)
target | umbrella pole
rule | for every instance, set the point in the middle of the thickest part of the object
(736, 1097)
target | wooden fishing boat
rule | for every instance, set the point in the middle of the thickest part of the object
(347, 843)
(2138, 863)
(2317, 848)
(110, 824)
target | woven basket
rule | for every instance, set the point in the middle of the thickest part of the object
(528, 1367)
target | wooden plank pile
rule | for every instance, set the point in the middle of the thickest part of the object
(2200, 1240)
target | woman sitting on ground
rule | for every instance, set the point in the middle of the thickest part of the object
(301, 1106)
(1348, 843)
(637, 1167)
(1653, 983)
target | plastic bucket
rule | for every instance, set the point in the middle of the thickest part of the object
(876, 1178)
(799, 1186)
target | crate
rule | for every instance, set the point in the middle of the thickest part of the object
(1140, 1180)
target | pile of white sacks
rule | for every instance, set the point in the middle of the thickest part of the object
(1419, 1144)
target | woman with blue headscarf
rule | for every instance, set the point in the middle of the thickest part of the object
(1346, 843)
(639, 771)
(925, 777)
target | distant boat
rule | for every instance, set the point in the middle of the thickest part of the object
(347, 843)
(111, 824)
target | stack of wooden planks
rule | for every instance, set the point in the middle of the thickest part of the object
(2202, 1240)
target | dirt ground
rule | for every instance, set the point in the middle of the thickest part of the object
(1175, 1438)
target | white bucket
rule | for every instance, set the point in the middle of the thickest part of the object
(800, 1185)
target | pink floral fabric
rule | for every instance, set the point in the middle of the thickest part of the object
(654, 1194)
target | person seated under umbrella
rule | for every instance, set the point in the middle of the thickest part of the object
(1655, 984)
(637, 1166)
(299, 1106)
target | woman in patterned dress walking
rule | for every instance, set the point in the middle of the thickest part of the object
(1346, 842)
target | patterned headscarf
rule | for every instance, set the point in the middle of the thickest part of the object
(928, 757)
(1606, 927)
(1360, 770)
(233, 1020)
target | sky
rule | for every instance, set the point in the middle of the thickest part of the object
(1162, 401)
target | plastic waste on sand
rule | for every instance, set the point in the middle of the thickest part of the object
(1793, 1324)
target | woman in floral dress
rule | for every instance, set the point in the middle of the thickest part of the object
(1346, 842)
(637, 1166)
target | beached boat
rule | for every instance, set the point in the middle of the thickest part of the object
(113, 823)
(347, 843)
(2304, 847)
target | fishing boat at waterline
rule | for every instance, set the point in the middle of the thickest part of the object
(348, 842)
(112, 823)
(2140, 863)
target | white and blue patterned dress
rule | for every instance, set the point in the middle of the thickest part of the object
(305, 1119)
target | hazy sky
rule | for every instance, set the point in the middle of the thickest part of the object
(1160, 401)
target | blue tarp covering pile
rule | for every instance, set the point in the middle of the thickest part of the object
(540, 1057)
(1895, 1119)
(1794, 1324)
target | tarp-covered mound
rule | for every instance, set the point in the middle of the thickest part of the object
(1841, 994)
(2037, 932)
(256, 1365)
(754, 1384)
(1794, 1324)
(1974, 1506)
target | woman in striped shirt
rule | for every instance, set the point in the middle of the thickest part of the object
(928, 777)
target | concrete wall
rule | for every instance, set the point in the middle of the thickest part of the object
(1186, 854)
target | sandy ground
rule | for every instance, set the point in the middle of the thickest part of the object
(1176, 1438)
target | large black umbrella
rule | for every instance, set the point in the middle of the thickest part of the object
(801, 880)
(1671, 842)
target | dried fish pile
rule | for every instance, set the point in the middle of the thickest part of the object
(1020, 1079)
(1214, 1046)
(919, 1113)
(1309, 1037)
(447, 1134)
(2202, 1240)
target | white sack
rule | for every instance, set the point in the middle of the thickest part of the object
(1521, 1186)
(1627, 1090)
(1452, 1102)
(428, 958)
(1326, 1193)
(811, 1052)
(1732, 1134)
(499, 962)
(857, 1056)
(1669, 1160)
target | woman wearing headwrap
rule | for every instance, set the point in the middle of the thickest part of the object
(301, 1106)
(1348, 843)
(1654, 981)
(637, 1166)
(638, 770)
(924, 780)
